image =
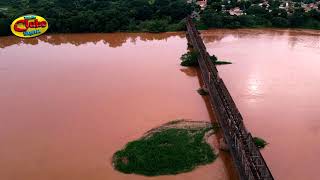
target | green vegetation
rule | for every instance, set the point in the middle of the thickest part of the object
(190, 58)
(259, 142)
(176, 147)
(71, 16)
(260, 13)
(218, 62)
(213, 57)
(75, 16)
(202, 92)
(222, 62)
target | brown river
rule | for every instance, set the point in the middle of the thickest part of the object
(68, 102)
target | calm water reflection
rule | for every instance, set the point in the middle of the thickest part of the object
(112, 40)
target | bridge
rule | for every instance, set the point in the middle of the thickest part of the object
(248, 160)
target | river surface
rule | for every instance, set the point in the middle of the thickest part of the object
(275, 82)
(68, 102)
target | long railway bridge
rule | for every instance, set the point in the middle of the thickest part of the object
(248, 160)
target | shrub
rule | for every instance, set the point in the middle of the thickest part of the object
(259, 142)
(202, 92)
(213, 57)
(190, 58)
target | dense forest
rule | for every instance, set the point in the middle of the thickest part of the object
(100, 15)
(66, 16)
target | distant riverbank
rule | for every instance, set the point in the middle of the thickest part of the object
(152, 15)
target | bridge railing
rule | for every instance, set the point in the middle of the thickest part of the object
(247, 157)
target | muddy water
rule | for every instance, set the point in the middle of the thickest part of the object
(68, 102)
(274, 80)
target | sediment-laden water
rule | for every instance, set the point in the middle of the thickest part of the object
(68, 102)
(274, 80)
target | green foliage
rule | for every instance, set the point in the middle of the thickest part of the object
(103, 15)
(5, 26)
(280, 22)
(154, 26)
(213, 57)
(258, 16)
(202, 92)
(222, 62)
(212, 19)
(168, 151)
(259, 142)
(218, 62)
(247, 21)
(200, 25)
(256, 10)
(154, 15)
(190, 58)
(181, 26)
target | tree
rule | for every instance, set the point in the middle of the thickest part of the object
(247, 21)
(217, 6)
(5, 26)
(314, 14)
(256, 10)
(274, 3)
(276, 12)
(280, 22)
(212, 19)
(155, 25)
(244, 4)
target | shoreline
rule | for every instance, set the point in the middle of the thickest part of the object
(173, 32)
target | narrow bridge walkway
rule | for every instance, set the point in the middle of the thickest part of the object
(246, 156)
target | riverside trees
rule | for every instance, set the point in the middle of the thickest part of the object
(101, 15)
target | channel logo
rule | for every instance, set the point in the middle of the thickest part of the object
(29, 26)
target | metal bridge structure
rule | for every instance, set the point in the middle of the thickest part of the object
(247, 158)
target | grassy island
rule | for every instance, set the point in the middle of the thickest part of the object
(175, 147)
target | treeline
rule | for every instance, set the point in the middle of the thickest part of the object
(254, 15)
(73, 16)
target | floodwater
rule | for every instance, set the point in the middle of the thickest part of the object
(275, 81)
(68, 102)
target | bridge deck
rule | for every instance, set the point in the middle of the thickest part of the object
(246, 156)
